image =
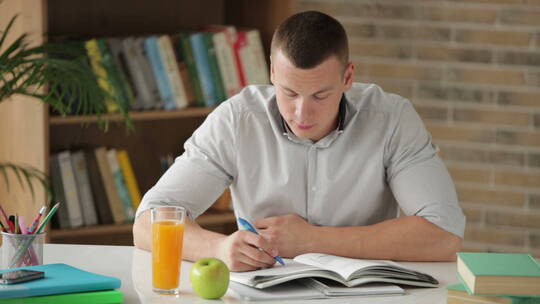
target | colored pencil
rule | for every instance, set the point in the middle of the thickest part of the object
(38, 217)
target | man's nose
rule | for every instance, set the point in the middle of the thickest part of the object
(302, 110)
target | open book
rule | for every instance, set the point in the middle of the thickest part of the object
(347, 271)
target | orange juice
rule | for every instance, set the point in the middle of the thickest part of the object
(167, 239)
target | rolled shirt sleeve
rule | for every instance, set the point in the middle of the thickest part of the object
(418, 178)
(203, 171)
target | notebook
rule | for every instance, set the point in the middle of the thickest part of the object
(59, 278)
(349, 272)
(499, 273)
(92, 297)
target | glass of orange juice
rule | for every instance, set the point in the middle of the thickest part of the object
(167, 241)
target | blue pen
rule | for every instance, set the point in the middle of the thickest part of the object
(250, 227)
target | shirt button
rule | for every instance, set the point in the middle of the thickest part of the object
(314, 188)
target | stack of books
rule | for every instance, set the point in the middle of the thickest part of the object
(95, 185)
(63, 284)
(496, 278)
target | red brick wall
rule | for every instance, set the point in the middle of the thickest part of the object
(472, 70)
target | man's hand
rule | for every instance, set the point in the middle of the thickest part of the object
(240, 251)
(289, 233)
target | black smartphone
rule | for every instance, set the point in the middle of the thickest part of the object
(18, 276)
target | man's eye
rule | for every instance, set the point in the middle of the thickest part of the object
(320, 97)
(291, 94)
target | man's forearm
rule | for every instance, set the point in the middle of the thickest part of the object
(410, 238)
(197, 241)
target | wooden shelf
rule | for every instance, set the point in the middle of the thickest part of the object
(209, 218)
(136, 116)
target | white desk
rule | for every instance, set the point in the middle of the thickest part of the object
(133, 267)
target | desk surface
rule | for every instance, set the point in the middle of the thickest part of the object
(133, 267)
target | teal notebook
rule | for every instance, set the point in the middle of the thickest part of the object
(459, 291)
(59, 278)
(499, 273)
(92, 297)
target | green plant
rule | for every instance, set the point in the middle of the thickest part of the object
(60, 76)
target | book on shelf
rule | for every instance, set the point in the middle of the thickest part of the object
(129, 176)
(59, 279)
(173, 73)
(127, 79)
(96, 62)
(158, 68)
(204, 69)
(499, 273)
(256, 69)
(227, 66)
(61, 218)
(70, 189)
(120, 183)
(84, 190)
(98, 189)
(115, 203)
(183, 47)
(346, 271)
(457, 294)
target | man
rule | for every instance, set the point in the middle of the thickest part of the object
(319, 164)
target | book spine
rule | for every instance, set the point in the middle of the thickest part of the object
(259, 66)
(56, 179)
(239, 46)
(187, 53)
(146, 70)
(214, 67)
(227, 66)
(142, 92)
(203, 69)
(113, 197)
(122, 72)
(95, 57)
(120, 184)
(83, 186)
(113, 75)
(173, 73)
(158, 68)
(129, 176)
(101, 201)
(70, 189)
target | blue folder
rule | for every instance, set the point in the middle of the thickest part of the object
(59, 278)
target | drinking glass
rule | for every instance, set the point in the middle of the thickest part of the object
(167, 241)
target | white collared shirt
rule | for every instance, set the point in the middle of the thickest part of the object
(380, 156)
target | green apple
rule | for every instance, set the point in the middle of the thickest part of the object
(209, 278)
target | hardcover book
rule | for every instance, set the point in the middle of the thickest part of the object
(59, 278)
(499, 273)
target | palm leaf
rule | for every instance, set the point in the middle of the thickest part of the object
(25, 176)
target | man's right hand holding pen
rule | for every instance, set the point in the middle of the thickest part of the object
(240, 251)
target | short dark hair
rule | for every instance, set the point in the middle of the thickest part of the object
(309, 38)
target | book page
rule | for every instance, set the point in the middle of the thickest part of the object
(290, 268)
(341, 265)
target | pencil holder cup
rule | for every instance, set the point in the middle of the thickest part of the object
(20, 250)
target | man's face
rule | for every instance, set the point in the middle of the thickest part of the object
(308, 99)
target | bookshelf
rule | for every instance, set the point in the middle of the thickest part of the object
(29, 133)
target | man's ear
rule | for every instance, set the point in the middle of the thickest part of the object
(348, 76)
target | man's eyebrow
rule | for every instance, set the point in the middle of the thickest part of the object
(316, 93)
(323, 90)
